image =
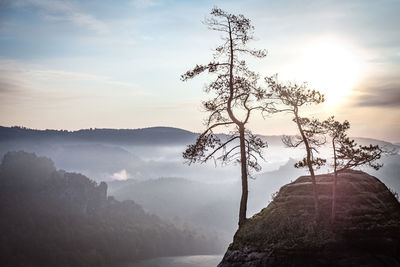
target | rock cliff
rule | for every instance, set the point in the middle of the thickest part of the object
(366, 231)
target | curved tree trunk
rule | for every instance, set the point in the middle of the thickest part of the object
(309, 165)
(243, 159)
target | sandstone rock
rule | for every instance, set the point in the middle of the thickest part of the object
(366, 231)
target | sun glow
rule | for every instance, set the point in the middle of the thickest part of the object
(332, 67)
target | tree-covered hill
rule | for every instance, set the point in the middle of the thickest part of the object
(152, 135)
(56, 218)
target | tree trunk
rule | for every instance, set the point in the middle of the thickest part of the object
(334, 184)
(334, 199)
(309, 165)
(315, 191)
(243, 161)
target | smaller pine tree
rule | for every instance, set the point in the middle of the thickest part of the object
(292, 97)
(347, 154)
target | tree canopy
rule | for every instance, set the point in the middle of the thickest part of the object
(234, 95)
(292, 97)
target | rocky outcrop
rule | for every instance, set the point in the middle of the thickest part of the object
(24, 173)
(366, 231)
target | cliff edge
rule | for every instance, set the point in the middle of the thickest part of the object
(366, 231)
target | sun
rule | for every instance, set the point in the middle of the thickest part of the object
(332, 67)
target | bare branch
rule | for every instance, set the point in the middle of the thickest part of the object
(220, 147)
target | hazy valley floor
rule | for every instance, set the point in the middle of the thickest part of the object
(181, 261)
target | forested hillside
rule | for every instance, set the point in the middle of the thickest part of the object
(56, 218)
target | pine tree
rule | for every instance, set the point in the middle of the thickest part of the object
(347, 154)
(294, 96)
(234, 96)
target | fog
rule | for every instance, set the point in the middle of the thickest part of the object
(204, 197)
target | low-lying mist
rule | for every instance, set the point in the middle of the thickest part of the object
(202, 196)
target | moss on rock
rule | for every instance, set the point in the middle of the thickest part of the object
(367, 225)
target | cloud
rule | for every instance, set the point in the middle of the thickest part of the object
(121, 175)
(23, 82)
(12, 81)
(388, 96)
(9, 87)
(58, 10)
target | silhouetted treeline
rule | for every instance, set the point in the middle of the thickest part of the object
(56, 218)
(153, 135)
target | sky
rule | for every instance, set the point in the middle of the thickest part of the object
(117, 64)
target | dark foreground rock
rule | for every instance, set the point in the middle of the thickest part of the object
(366, 231)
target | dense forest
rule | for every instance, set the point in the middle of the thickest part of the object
(51, 217)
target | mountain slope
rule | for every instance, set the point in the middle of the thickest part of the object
(56, 218)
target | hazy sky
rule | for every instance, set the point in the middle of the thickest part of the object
(117, 64)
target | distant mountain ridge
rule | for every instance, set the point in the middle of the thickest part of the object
(152, 135)
(141, 136)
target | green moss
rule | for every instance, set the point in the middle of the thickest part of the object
(364, 204)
